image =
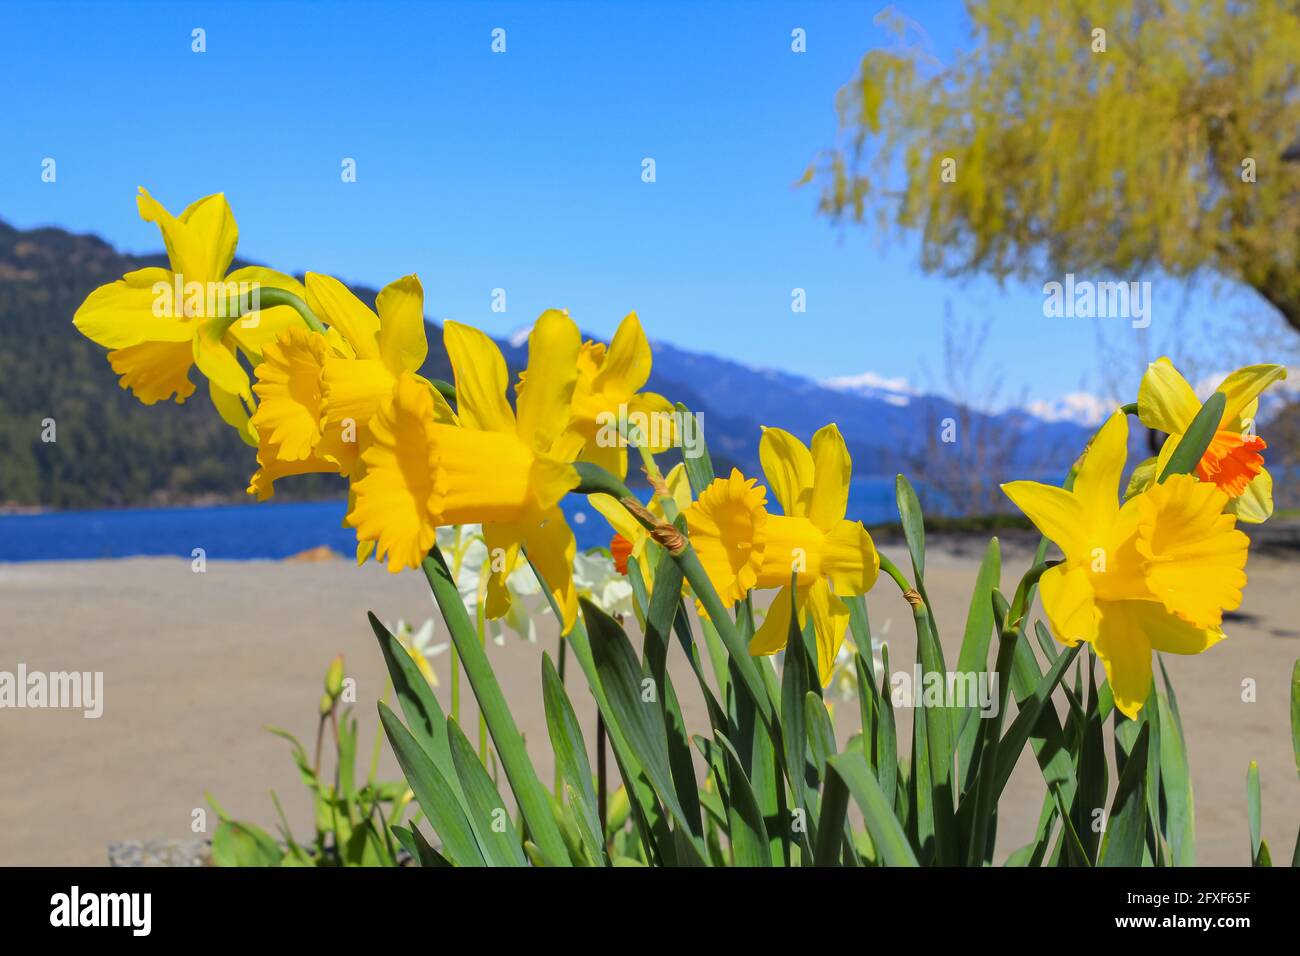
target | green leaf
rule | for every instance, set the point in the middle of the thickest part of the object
(974, 655)
(909, 511)
(495, 831)
(821, 734)
(749, 840)
(699, 467)
(414, 843)
(1176, 779)
(664, 605)
(571, 756)
(1093, 773)
(1027, 718)
(433, 793)
(1125, 838)
(640, 722)
(365, 847)
(529, 793)
(830, 825)
(887, 735)
(794, 685)
(1253, 813)
(243, 844)
(933, 750)
(886, 832)
(1197, 438)
(1295, 713)
(424, 716)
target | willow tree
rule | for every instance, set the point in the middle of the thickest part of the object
(1109, 136)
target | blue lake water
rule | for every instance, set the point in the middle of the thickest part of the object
(271, 530)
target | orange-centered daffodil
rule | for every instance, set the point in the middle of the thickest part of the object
(159, 322)
(498, 467)
(1233, 462)
(1156, 573)
(742, 546)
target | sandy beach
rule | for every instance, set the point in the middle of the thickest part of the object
(196, 664)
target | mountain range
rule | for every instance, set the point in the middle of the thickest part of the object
(109, 450)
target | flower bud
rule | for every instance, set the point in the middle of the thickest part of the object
(334, 678)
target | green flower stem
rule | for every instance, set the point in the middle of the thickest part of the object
(891, 569)
(445, 389)
(651, 469)
(268, 297)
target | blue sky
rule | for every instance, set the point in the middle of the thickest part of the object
(519, 171)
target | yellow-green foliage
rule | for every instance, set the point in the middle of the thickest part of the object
(1070, 157)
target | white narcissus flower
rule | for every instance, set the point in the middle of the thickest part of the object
(467, 553)
(598, 580)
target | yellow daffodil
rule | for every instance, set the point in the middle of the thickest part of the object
(159, 322)
(608, 394)
(631, 531)
(1233, 462)
(497, 467)
(318, 392)
(1156, 573)
(742, 546)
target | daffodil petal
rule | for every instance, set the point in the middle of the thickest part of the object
(1168, 633)
(212, 224)
(551, 480)
(1070, 605)
(830, 622)
(627, 363)
(613, 458)
(336, 306)
(618, 517)
(544, 404)
(1245, 385)
(788, 468)
(679, 486)
(195, 249)
(134, 309)
(1054, 511)
(1195, 557)
(154, 371)
(773, 633)
(850, 558)
(1096, 486)
(232, 411)
(551, 547)
(481, 379)
(659, 412)
(1165, 401)
(215, 357)
(1125, 652)
(832, 469)
(1255, 506)
(403, 345)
